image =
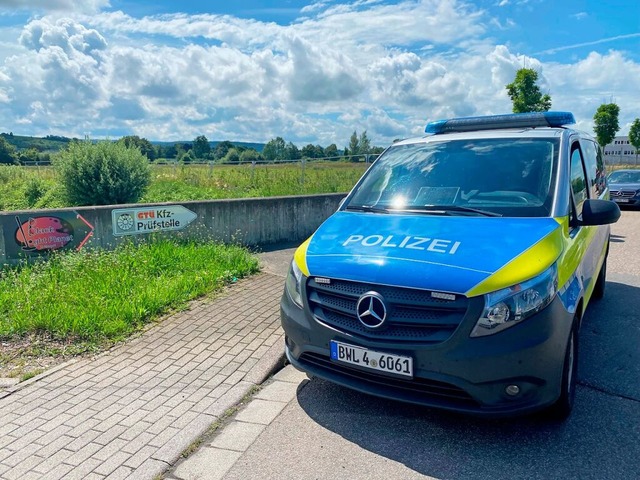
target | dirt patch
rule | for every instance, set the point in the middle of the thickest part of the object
(25, 357)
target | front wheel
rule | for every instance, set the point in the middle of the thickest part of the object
(563, 406)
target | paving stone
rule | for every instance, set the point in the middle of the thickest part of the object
(120, 473)
(171, 450)
(290, 374)
(278, 391)
(237, 436)
(260, 411)
(209, 463)
(150, 468)
(81, 471)
(112, 463)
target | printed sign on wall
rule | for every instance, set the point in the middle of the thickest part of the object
(136, 221)
(33, 235)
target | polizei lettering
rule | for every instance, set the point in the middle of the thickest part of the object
(410, 242)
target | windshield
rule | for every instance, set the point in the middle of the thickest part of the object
(625, 177)
(506, 176)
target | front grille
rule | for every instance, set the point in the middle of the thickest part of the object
(421, 388)
(412, 315)
(621, 194)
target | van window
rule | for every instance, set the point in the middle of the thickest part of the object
(506, 176)
(595, 167)
(578, 181)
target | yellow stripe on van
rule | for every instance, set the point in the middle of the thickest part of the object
(300, 256)
(528, 264)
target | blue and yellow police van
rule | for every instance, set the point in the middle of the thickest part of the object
(457, 271)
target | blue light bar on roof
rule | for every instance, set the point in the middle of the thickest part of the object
(493, 122)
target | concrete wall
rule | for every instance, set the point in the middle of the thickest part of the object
(254, 221)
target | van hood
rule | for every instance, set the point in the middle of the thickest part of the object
(460, 254)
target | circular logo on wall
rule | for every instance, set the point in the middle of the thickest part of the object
(371, 310)
(125, 221)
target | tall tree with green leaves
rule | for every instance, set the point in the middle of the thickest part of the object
(354, 144)
(634, 136)
(365, 143)
(525, 93)
(201, 147)
(606, 123)
(144, 145)
(331, 151)
(275, 149)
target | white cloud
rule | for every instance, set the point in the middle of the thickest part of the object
(363, 66)
(580, 15)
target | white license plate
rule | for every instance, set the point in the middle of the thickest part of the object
(371, 360)
(621, 200)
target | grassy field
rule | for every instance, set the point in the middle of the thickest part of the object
(92, 296)
(36, 187)
(85, 302)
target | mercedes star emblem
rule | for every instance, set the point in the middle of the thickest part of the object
(371, 310)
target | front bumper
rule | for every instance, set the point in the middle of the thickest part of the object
(461, 374)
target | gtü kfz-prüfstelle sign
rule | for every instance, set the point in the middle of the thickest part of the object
(136, 221)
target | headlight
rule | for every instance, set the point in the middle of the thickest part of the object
(510, 306)
(293, 285)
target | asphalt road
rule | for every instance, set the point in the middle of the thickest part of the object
(331, 432)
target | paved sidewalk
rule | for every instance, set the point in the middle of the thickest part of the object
(129, 413)
(216, 457)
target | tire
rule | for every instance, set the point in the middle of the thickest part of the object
(598, 290)
(562, 408)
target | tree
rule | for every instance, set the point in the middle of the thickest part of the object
(331, 151)
(144, 145)
(606, 123)
(232, 156)
(312, 151)
(292, 152)
(249, 155)
(354, 144)
(7, 152)
(275, 149)
(525, 94)
(365, 144)
(221, 149)
(201, 147)
(634, 136)
(30, 155)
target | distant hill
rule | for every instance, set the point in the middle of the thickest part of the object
(53, 143)
(50, 143)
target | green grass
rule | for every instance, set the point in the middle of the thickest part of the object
(23, 188)
(97, 296)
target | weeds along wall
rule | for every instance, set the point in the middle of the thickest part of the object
(33, 234)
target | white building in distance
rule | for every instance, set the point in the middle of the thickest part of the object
(620, 151)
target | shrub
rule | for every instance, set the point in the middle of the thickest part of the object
(34, 191)
(103, 173)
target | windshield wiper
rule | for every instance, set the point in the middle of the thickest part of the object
(366, 208)
(447, 209)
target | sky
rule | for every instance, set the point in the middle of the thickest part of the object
(308, 71)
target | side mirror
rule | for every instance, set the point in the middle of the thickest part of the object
(599, 212)
(341, 203)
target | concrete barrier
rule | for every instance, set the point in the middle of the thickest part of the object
(251, 221)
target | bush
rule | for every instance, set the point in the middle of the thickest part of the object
(34, 191)
(104, 173)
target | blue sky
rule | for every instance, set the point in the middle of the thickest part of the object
(311, 72)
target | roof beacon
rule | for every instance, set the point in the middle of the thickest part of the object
(493, 122)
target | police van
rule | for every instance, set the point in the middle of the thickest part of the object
(457, 271)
